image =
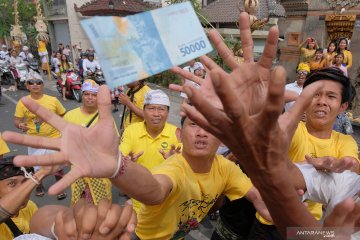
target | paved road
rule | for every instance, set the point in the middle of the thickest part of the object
(6, 123)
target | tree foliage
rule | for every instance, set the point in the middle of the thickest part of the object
(27, 11)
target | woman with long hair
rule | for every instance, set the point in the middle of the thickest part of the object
(330, 53)
(308, 52)
(343, 48)
(65, 66)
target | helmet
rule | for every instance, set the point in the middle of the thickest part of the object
(83, 54)
(90, 54)
(25, 48)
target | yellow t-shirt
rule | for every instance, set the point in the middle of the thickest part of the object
(42, 47)
(307, 55)
(303, 143)
(22, 221)
(77, 117)
(3, 147)
(347, 58)
(136, 139)
(36, 125)
(192, 196)
(139, 98)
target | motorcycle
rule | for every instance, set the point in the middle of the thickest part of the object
(72, 84)
(6, 77)
(33, 64)
(22, 72)
(97, 76)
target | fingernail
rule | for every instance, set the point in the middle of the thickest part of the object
(104, 230)
(129, 202)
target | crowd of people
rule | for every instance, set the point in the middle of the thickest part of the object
(249, 147)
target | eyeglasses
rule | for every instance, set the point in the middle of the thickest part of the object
(303, 73)
(37, 82)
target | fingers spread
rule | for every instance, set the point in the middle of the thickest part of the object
(32, 141)
(275, 98)
(53, 159)
(208, 63)
(230, 99)
(266, 59)
(247, 43)
(65, 182)
(51, 118)
(225, 53)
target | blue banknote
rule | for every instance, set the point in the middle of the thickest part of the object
(141, 45)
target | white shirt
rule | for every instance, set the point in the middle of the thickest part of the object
(189, 69)
(26, 57)
(4, 54)
(329, 188)
(15, 60)
(295, 88)
(92, 66)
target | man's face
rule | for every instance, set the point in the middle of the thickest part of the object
(325, 106)
(91, 58)
(35, 86)
(89, 99)
(9, 184)
(301, 77)
(199, 72)
(155, 115)
(197, 142)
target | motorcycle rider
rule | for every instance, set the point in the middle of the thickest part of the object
(90, 65)
(15, 60)
(4, 53)
(65, 66)
(83, 56)
(25, 54)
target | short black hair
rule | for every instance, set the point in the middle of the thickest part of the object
(182, 121)
(336, 75)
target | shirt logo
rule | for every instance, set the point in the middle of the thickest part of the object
(164, 145)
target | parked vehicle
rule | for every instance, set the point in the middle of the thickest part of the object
(73, 85)
(33, 64)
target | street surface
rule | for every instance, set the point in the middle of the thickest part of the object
(6, 123)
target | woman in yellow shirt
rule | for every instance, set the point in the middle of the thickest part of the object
(318, 61)
(330, 53)
(342, 48)
(308, 52)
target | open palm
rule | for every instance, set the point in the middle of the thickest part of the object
(90, 151)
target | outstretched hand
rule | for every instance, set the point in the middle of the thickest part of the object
(92, 152)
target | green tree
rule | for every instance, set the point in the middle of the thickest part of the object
(27, 12)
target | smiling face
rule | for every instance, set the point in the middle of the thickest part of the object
(331, 47)
(342, 44)
(318, 55)
(301, 77)
(325, 106)
(197, 143)
(89, 99)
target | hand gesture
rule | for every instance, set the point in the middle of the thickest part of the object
(23, 127)
(134, 157)
(103, 222)
(124, 99)
(171, 152)
(249, 79)
(76, 145)
(332, 164)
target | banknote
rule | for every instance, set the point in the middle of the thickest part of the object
(141, 45)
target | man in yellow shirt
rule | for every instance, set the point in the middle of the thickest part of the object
(133, 102)
(91, 189)
(33, 125)
(316, 142)
(3, 147)
(154, 137)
